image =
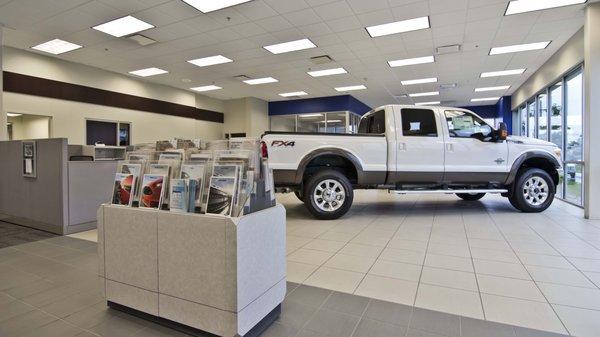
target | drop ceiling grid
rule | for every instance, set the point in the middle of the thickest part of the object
(336, 27)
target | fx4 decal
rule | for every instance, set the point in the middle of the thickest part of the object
(283, 143)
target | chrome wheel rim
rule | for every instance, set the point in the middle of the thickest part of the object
(535, 191)
(329, 195)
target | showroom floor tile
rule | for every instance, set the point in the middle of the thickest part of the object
(480, 259)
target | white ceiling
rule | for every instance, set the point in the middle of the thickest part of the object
(335, 26)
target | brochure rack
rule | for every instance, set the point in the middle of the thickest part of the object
(195, 272)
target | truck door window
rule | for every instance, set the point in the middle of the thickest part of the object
(373, 123)
(462, 124)
(418, 123)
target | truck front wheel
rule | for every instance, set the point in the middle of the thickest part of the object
(328, 195)
(533, 191)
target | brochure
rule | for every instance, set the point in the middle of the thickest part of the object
(221, 195)
(179, 196)
(195, 172)
(226, 170)
(124, 189)
(152, 190)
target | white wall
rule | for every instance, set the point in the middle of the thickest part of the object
(249, 115)
(565, 59)
(68, 118)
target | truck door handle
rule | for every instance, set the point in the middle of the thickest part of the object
(450, 147)
(402, 146)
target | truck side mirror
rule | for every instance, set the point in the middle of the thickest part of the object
(502, 131)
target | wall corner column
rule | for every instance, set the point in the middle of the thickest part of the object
(591, 113)
(3, 118)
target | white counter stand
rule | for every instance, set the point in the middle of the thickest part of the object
(221, 275)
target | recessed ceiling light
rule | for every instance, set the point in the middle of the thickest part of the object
(503, 73)
(423, 94)
(519, 47)
(310, 115)
(290, 46)
(211, 60)
(523, 6)
(351, 88)
(11, 114)
(428, 103)
(420, 81)
(485, 99)
(206, 6)
(262, 80)
(292, 94)
(206, 88)
(412, 61)
(327, 72)
(56, 47)
(399, 27)
(124, 26)
(148, 72)
(501, 87)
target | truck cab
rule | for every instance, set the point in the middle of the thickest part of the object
(415, 149)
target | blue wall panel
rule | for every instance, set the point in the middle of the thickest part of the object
(318, 104)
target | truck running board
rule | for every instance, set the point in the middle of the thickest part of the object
(447, 191)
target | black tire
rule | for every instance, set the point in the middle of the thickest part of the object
(298, 195)
(470, 196)
(530, 185)
(328, 181)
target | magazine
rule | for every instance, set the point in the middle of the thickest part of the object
(152, 190)
(124, 189)
(179, 195)
(164, 169)
(195, 172)
(221, 195)
(174, 160)
(226, 170)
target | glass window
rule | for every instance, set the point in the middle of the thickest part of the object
(531, 119)
(373, 123)
(556, 115)
(418, 122)
(462, 124)
(523, 121)
(574, 115)
(313, 122)
(574, 183)
(542, 116)
(336, 122)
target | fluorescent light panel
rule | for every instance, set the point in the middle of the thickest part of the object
(485, 99)
(56, 47)
(524, 6)
(10, 114)
(327, 72)
(292, 94)
(206, 88)
(411, 61)
(210, 61)
(124, 26)
(503, 73)
(262, 80)
(206, 6)
(428, 103)
(519, 48)
(310, 115)
(423, 94)
(287, 47)
(148, 72)
(502, 87)
(420, 81)
(351, 88)
(399, 27)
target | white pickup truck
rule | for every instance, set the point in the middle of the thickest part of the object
(414, 149)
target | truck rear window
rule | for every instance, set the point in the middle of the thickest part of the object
(373, 123)
(418, 123)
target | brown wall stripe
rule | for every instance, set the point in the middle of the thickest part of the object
(36, 86)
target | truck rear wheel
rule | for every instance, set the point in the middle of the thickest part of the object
(470, 196)
(533, 191)
(328, 195)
